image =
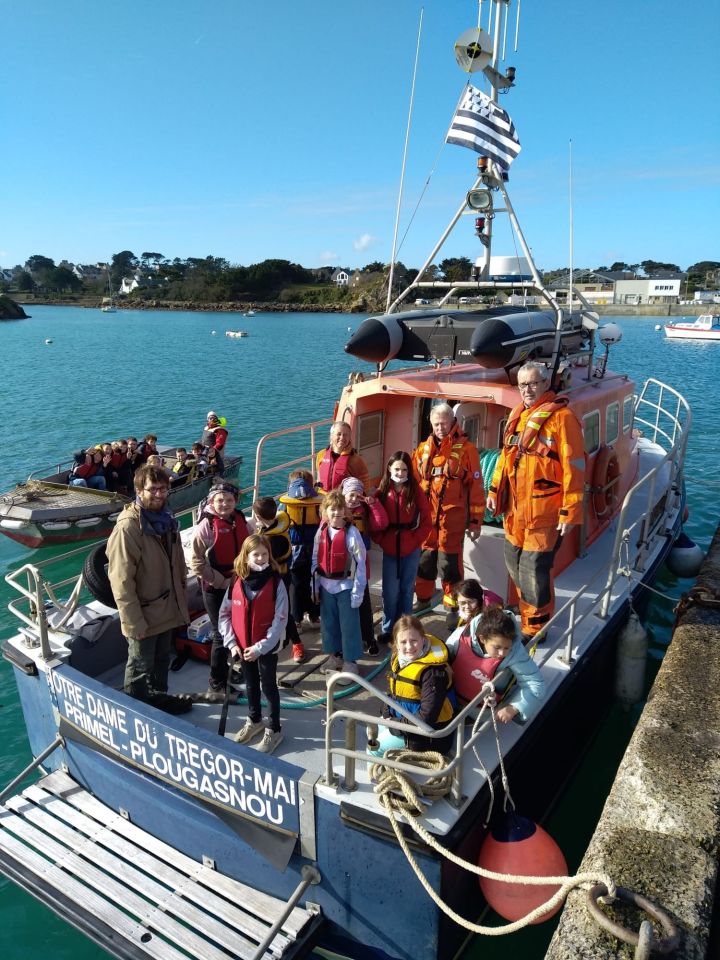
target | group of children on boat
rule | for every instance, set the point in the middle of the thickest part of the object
(304, 558)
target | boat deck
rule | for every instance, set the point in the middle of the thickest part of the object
(37, 500)
(135, 895)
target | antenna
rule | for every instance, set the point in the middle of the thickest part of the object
(570, 189)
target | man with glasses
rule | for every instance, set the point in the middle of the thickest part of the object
(147, 574)
(538, 484)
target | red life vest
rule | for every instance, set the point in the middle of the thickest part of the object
(333, 560)
(470, 671)
(228, 537)
(333, 469)
(251, 619)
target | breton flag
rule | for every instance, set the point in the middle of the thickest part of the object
(483, 126)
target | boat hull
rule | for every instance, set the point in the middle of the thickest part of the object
(675, 332)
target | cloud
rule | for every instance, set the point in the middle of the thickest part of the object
(363, 242)
(328, 256)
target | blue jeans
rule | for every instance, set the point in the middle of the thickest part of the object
(97, 482)
(340, 625)
(397, 590)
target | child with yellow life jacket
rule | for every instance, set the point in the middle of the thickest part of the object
(487, 645)
(338, 567)
(274, 524)
(369, 516)
(302, 505)
(420, 680)
(253, 616)
(219, 535)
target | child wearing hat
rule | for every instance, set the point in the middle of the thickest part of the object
(369, 516)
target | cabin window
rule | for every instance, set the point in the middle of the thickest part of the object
(369, 429)
(628, 410)
(591, 431)
(612, 423)
(472, 428)
(501, 432)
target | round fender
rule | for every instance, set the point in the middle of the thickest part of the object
(606, 473)
(96, 578)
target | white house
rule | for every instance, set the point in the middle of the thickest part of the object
(340, 277)
(651, 290)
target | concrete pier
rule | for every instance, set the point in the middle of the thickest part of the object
(659, 833)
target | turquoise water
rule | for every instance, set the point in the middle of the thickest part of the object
(107, 375)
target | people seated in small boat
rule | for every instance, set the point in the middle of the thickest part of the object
(197, 454)
(472, 598)
(88, 470)
(219, 534)
(274, 524)
(302, 505)
(369, 516)
(409, 523)
(215, 432)
(482, 648)
(134, 456)
(339, 571)
(339, 460)
(420, 681)
(215, 463)
(252, 621)
(148, 446)
(183, 467)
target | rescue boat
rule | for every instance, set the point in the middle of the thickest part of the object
(162, 836)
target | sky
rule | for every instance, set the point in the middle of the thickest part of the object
(255, 129)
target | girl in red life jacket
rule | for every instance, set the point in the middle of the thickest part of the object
(253, 616)
(481, 649)
(472, 598)
(218, 538)
(409, 523)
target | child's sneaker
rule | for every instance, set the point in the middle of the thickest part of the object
(249, 731)
(333, 664)
(299, 626)
(298, 653)
(371, 648)
(311, 621)
(271, 738)
(349, 667)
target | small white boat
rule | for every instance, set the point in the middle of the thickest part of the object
(704, 327)
(236, 333)
(48, 340)
(249, 313)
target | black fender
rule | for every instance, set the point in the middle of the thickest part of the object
(96, 578)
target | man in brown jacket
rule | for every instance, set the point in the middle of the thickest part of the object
(147, 574)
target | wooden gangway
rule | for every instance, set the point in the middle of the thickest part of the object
(133, 894)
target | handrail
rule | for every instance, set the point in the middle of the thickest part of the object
(308, 458)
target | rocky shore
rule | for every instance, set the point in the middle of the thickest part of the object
(9, 310)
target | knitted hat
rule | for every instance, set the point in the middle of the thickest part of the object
(352, 485)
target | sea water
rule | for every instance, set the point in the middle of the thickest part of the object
(105, 376)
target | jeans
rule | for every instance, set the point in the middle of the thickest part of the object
(212, 598)
(97, 482)
(146, 670)
(398, 584)
(340, 625)
(263, 673)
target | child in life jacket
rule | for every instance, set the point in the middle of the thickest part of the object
(420, 680)
(302, 505)
(219, 535)
(338, 566)
(472, 598)
(368, 515)
(481, 649)
(252, 622)
(409, 523)
(275, 526)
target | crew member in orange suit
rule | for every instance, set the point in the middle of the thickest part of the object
(538, 484)
(447, 467)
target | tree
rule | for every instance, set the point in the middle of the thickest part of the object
(618, 265)
(122, 264)
(155, 257)
(24, 281)
(37, 264)
(374, 267)
(456, 268)
(652, 267)
(60, 279)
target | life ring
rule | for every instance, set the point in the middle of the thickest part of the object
(96, 578)
(606, 473)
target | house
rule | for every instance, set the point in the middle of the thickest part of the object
(596, 287)
(340, 277)
(89, 272)
(661, 288)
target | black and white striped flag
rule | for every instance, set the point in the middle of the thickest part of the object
(483, 126)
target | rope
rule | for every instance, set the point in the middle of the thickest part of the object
(391, 782)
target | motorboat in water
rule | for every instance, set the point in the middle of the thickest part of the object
(704, 327)
(45, 510)
(160, 836)
(236, 333)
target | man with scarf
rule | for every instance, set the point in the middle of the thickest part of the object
(147, 574)
(538, 484)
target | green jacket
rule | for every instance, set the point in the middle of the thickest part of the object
(147, 581)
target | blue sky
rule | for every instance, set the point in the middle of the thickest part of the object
(249, 129)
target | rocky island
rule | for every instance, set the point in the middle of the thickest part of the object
(9, 310)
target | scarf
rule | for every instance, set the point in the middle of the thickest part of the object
(256, 580)
(404, 661)
(159, 522)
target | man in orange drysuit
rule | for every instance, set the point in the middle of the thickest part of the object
(447, 467)
(538, 484)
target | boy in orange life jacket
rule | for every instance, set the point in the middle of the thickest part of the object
(484, 647)
(273, 525)
(338, 564)
(252, 622)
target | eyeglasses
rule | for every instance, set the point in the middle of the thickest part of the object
(530, 383)
(156, 490)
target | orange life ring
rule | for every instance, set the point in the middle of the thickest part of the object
(606, 473)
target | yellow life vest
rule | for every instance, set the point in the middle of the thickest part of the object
(406, 682)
